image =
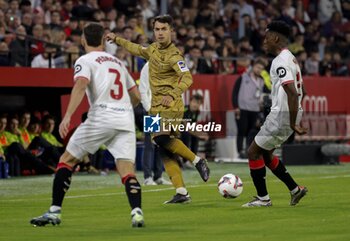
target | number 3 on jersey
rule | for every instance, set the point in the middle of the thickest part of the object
(117, 88)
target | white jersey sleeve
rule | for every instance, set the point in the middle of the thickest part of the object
(145, 90)
(284, 73)
(82, 69)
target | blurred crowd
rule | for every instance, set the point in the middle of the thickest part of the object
(29, 146)
(216, 36)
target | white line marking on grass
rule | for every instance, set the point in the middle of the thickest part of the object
(157, 190)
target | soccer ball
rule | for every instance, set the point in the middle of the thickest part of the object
(230, 186)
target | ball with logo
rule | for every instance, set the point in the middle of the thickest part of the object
(230, 186)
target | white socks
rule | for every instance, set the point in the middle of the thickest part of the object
(264, 198)
(294, 191)
(54, 208)
(196, 160)
(181, 190)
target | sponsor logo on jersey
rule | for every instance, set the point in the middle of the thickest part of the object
(281, 72)
(182, 65)
(77, 69)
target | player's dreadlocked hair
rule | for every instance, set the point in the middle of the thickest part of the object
(164, 19)
(93, 34)
(279, 27)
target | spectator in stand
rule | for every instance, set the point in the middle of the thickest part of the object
(4, 55)
(339, 66)
(207, 64)
(128, 33)
(312, 63)
(257, 36)
(326, 64)
(227, 50)
(45, 10)
(301, 16)
(38, 18)
(244, 47)
(26, 7)
(72, 24)
(326, 9)
(346, 46)
(192, 58)
(120, 23)
(46, 59)
(66, 11)
(248, 26)
(205, 17)
(146, 10)
(55, 21)
(199, 42)
(301, 58)
(14, 7)
(19, 48)
(112, 16)
(37, 46)
(346, 9)
(245, 9)
(27, 22)
(126, 7)
(333, 27)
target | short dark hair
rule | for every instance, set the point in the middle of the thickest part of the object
(93, 34)
(259, 61)
(279, 27)
(197, 97)
(46, 118)
(164, 19)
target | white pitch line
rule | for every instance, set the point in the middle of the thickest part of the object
(157, 190)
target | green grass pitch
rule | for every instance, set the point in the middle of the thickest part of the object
(96, 208)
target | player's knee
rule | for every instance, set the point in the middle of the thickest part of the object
(252, 153)
(162, 140)
(68, 159)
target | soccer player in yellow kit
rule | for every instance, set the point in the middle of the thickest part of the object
(169, 78)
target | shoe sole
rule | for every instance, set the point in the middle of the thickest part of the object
(303, 193)
(257, 206)
(185, 202)
(39, 223)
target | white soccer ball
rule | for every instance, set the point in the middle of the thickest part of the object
(230, 186)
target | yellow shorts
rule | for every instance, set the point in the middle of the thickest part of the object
(171, 116)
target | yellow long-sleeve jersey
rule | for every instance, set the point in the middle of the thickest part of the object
(168, 71)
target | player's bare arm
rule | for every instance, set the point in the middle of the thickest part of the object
(77, 95)
(135, 96)
(304, 93)
(292, 96)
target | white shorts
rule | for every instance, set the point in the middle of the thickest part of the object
(88, 138)
(275, 131)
